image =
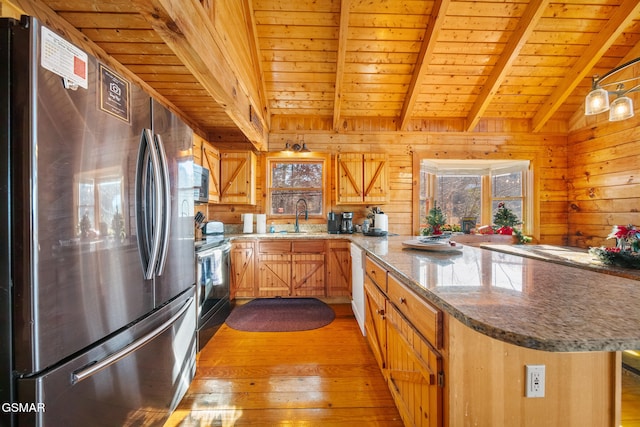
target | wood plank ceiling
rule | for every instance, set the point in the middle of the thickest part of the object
(409, 62)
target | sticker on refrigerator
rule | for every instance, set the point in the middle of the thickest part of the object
(114, 94)
(64, 59)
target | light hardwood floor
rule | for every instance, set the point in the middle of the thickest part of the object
(324, 377)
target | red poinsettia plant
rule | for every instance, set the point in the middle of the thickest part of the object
(626, 252)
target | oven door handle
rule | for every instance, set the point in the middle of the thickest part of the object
(208, 252)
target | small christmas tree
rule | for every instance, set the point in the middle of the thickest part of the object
(436, 219)
(504, 217)
(85, 225)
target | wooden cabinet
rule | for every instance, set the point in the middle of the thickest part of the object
(375, 322)
(406, 353)
(362, 178)
(425, 318)
(243, 264)
(307, 275)
(291, 268)
(238, 177)
(414, 372)
(211, 161)
(197, 149)
(207, 156)
(338, 268)
(274, 268)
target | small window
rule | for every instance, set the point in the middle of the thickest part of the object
(507, 188)
(291, 179)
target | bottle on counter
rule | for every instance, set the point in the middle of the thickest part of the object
(272, 228)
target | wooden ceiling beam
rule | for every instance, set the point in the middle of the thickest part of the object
(187, 30)
(619, 22)
(438, 15)
(521, 34)
(255, 56)
(343, 36)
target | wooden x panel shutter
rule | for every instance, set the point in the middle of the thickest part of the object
(376, 181)
(211, 161)
(350, 175)
(238, 177)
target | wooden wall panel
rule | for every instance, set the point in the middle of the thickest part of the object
(604, 179)
(547, 152)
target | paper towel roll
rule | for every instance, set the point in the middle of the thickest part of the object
(261, 223)
(381, 221)
(247, 220)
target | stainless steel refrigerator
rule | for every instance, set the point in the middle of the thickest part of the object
(97, 310)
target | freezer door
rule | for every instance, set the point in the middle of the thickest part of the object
(135, 378)
(178, 271)
(77, 272)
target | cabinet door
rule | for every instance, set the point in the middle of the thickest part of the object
(413, 371)
(349, 178)
(375, 323)
(307, 275)
(274, 275)
(243, 283)
(211, 161)
(238, 177)
(198, 142)
(375, 180)
(338, 268)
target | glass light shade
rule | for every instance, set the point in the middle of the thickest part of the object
(596, 102)
(621, 109)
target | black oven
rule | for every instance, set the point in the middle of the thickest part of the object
(212, 286)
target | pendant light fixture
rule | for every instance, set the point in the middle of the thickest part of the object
(597, 101)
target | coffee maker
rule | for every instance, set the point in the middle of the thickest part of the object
(346, 225)
(334, 222)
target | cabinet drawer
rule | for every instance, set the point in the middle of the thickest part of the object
(308, 246)
(275, 246)
(426, 318)
(377, 274)
(242, 244)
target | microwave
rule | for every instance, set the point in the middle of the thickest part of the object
(200, 184)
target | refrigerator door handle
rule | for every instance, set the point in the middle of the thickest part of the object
(95, 367)
(166, 198)
(148, 203)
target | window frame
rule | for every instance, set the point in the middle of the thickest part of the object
(296, 157)
(486, 168)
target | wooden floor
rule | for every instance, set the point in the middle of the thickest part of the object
(325, 377)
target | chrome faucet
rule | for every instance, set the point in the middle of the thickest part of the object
(296, 229)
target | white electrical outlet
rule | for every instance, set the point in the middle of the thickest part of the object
(534, 382)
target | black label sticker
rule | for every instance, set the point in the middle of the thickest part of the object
(114, 94)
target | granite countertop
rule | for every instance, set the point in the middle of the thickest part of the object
(523, 300)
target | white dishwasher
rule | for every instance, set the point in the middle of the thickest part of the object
(357, 285)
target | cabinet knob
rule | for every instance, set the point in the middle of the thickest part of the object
(380, 311)
(403, 300)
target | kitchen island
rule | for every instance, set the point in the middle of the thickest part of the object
(496, 313)
(520, 300)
